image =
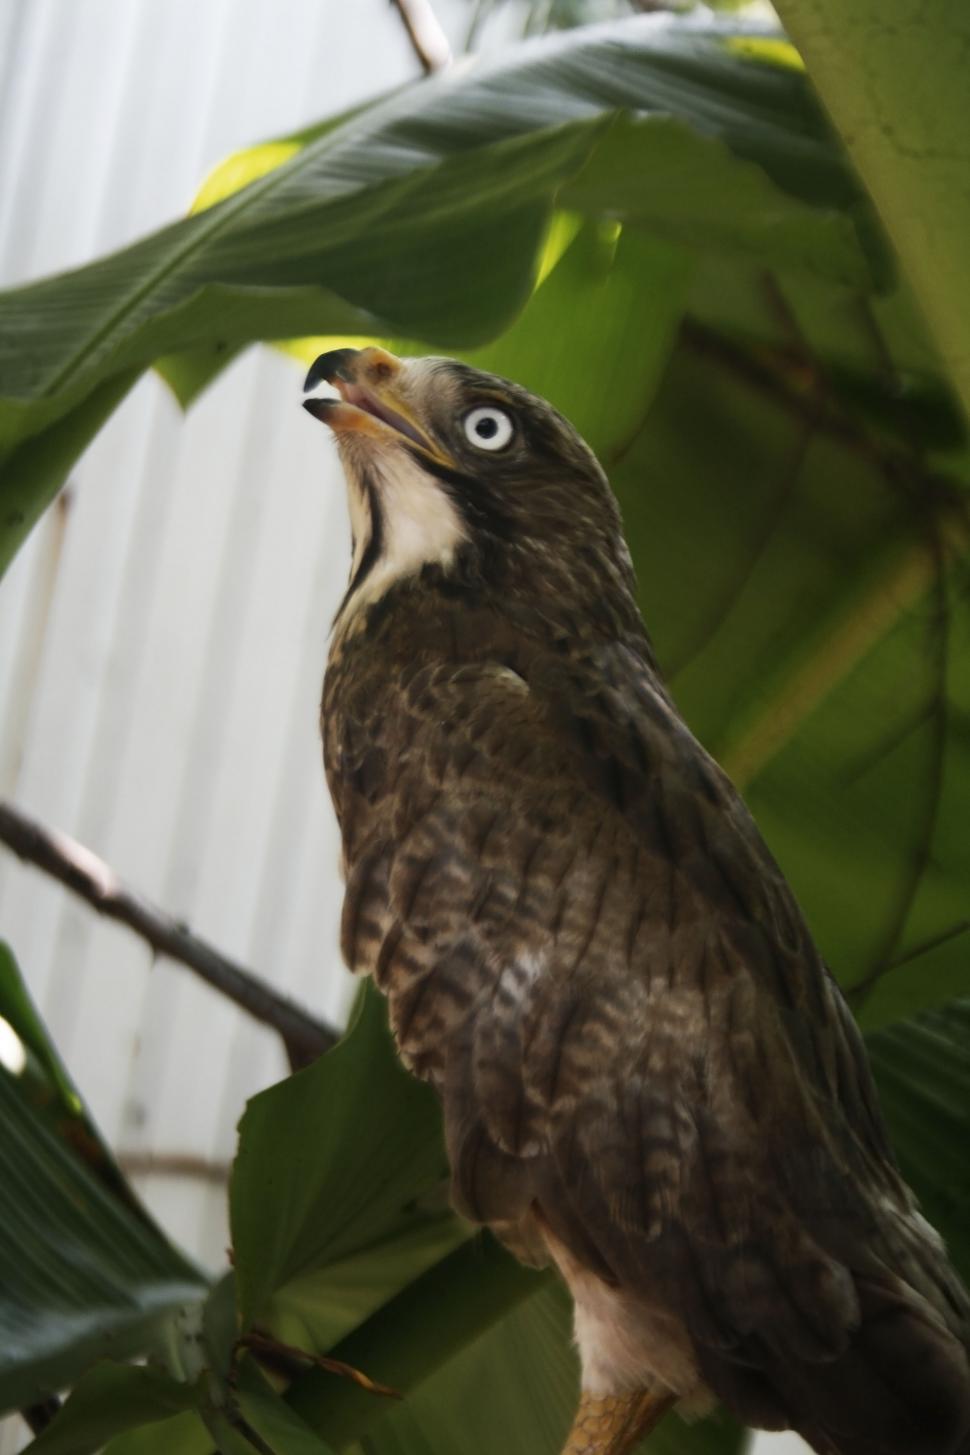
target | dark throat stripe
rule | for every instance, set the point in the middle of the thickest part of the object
(374, 548)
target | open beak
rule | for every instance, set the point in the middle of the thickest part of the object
(370, 401)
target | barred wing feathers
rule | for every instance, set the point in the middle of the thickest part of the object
(589, 950)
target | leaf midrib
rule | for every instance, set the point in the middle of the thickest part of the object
(222, 213)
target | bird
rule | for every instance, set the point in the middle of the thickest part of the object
(649, 1078)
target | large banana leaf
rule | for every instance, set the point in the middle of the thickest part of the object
(922, 1069)
(339, 1158)
(84, 1273)
(425, 215)
(805, 585)
(895, 80)
(110, 1398)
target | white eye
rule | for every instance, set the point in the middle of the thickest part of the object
(488, 428)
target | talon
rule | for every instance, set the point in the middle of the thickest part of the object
(613, 1424)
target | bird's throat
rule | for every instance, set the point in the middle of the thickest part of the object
(401, 520)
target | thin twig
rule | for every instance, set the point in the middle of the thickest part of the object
(428, 40)
(173, 1164)
(287, 1359)
(93, 880)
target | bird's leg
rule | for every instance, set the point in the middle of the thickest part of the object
(613, 1424)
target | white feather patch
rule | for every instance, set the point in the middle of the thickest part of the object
(420, 526)
(625, 1344)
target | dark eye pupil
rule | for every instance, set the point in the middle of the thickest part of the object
(487, 428)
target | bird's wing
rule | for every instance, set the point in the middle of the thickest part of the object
(589, 949)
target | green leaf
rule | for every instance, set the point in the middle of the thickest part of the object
(717, 1435)
(380, 223)
(140, 1408)
(894, 78)
(181, 1435)
(863, 803)
(35, 470)
(43, 1080)
(277, 1425)
(331, 1161)
(594, 338)
(515, 1387)
(657, 173)
(26, 1027)
(415, 1334)
(84, 1273)
(922, 1069)
(108, 1400)
(492, 1367)
(597, 335)
(316, 1309)
(240, 168)
(785, 550)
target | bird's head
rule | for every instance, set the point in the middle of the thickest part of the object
(456, 469)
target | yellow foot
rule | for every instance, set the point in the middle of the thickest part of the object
(612, 1424)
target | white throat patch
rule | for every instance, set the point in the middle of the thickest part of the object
(419, 525)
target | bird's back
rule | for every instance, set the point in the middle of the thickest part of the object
(643, 1063)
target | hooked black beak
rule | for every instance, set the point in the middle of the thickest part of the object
(370, 403)
(328, 368)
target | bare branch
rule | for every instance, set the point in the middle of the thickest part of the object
(428, 40)
(93, 880)
(173, 1164)
(288, 1360)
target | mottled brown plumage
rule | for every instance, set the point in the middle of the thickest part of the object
(647, 1073)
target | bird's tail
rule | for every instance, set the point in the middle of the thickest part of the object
(900, 1387)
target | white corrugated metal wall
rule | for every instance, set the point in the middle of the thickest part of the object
(162, 635)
